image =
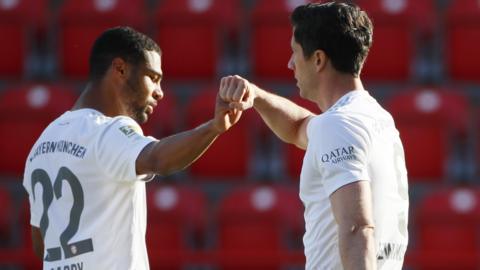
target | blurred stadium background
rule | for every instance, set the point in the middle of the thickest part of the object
(237, 207)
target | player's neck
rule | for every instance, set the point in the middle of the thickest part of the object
(99, 97)
(335, 87)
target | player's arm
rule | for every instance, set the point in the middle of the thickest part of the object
(286, 119)
(176, 152)
(352, 209)
(37, 241)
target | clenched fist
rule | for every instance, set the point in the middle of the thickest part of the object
(238, 92)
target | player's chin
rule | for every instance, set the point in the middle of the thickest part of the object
(141, 118)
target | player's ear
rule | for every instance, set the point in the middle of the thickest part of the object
(320, 58)
(119, 67)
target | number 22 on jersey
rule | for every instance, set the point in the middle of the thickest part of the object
(50, 192)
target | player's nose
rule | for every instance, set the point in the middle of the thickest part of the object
(291, 63)
(157, 94)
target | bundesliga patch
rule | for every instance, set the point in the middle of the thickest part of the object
(129, 131)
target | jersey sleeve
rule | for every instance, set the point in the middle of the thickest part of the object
(340, 151)
(118, 147)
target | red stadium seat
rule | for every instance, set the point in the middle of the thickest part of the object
(24, 112)
(81, 21)
(229, 155)
(293, 154)
(20, 21)
(270, 37)
(163, 121)
(431, 122)
(398, 26)
(190, 34)
(447, 224)
(462, 36)
(257, 220)
(176, 221)
(6, 214)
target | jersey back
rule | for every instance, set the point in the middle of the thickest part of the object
(85, 195)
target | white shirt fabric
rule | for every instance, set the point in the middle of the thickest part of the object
(354, 140)
(85, 195)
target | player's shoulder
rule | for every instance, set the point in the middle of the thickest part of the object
(337, 125)
(355, 111)
(332, 120)
(90, 122)
(325, 125)
(125, 125)
(79, 117)
(101, 122)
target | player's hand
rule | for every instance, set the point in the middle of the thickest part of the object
(238, 92)
(234, 96)
(225, 116)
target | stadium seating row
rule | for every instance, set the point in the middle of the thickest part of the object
(434, 123)
(249, 221)
(195, 34)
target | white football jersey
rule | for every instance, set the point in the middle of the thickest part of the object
(85, 195)
(354, 140)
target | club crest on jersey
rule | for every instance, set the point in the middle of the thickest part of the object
(129, 131)
(339, 154)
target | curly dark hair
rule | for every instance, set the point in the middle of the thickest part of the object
(124, 42)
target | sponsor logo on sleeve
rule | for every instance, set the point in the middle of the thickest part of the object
(339, 154)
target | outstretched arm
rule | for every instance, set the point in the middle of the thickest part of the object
(178, 151)
(285, 118)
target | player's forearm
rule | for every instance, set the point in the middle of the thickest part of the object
(178, 151)
(37, 242)
(282, 116)
(357, 248)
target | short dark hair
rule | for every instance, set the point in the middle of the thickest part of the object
(124, 42)
(341, 29)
